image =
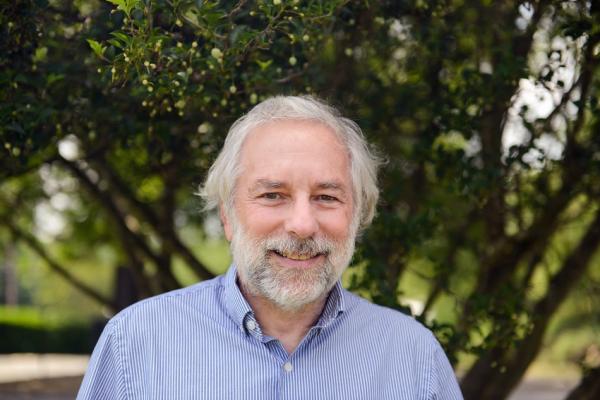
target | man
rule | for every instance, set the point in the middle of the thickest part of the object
(294, 185)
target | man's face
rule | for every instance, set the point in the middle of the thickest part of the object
(292, 230)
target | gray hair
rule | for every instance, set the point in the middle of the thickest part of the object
(218, 189)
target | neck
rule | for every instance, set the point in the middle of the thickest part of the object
(289, 327)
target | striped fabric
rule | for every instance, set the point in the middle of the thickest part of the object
(203, 342)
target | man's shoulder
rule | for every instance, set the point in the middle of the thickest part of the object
(382, 333)
(197, 297)
(379, 318)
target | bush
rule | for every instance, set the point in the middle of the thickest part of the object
(28, 331)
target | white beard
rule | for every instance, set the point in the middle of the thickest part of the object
(289, 288)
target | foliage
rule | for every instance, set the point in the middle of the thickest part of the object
(111, 113)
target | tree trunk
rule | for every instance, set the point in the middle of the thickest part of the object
(126, 292)
(11, 284)
(588, 388)
(501, 378)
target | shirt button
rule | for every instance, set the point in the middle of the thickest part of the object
(251, 325)
(288, 367)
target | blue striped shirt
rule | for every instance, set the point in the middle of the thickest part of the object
(203, 342)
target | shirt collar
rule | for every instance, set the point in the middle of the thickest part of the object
(238, 307)
(236, 304)
(334, 306)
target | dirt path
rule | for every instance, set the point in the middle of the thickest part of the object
(41, 389)
(543, 389)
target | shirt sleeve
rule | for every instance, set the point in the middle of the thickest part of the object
(444, 383)
(104, 378)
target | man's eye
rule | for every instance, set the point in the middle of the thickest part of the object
(271, 196)
(326, 198)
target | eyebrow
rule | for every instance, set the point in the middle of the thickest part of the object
(267, 184)
(271, 184)
(332, 185)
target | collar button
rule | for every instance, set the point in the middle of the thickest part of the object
(251, 325)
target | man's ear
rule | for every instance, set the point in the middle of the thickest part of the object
(226, 223)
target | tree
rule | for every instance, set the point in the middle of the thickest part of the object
(450, 96)
(157, 94)
(488, 191)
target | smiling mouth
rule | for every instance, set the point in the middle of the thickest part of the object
(296, 256)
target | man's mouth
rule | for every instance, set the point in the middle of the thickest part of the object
(295, 256)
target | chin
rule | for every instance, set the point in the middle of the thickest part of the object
(292, 298)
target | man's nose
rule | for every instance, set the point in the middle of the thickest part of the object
(301, 220)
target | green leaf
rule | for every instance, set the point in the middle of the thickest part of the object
(119, 3)
(125, 5)
(97, 48)
(115, 43)
(51, 78)
(121, 40)
(40, 54)
(121, 36)
(264, 64)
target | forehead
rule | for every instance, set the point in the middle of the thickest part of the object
(294, 147)
(304, 132)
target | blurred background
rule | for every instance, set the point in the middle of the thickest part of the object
(486, 111)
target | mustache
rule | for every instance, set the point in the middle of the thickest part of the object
(304, 247)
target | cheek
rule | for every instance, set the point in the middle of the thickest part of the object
(262, 219)
(336, 225)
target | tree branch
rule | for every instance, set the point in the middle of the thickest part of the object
(589, 62)
(501, 263)
(493, 119)
(144, 212)
(498, 383)
(168, 280)
(33, 243)
(588, 388)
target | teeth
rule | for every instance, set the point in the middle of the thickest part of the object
(295, 256)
